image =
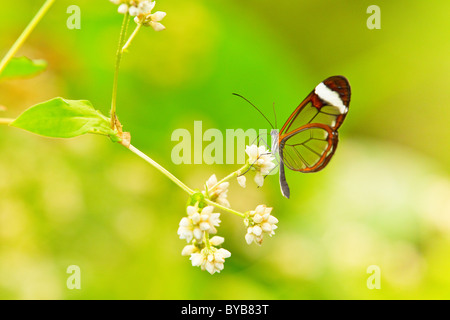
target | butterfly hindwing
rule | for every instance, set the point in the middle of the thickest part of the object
(309, 148)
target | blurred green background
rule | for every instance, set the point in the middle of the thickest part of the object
(383, 200)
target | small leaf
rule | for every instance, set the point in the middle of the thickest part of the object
(197, 197)
(60, 118)
(23, 67)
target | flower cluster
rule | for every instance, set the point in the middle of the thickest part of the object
(141, 10)
(198, 222)
(258, 223)
(196, 228)
(201, 222)
(208, 258)
(261, 161)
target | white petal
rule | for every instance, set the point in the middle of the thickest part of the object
(210, 267)
(191, 210)
(266, 227)
(133, 11)
(252, 151)
(249, 238)
(198, 234)
(260, 209)
(224, 253)
(259, 179)
(257, 218)
(188, 250)
(223, 187)
(218, 266)
(207, 210)
(204, 226)
(262, 150)
(218, 258)
(216, 240)
(157, 26)
(211, 181)
(195, 218)
(272, 220)
(214, 219)
(257, 230)
(185, 234)
(184, 222)
(147, 6)
(123, 8)
(158, 16)
(258, 240)
(197, 259)
(241, 180)
(212, 230)
(223, 201)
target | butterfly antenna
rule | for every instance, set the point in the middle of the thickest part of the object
(255, 108)
(275, 114)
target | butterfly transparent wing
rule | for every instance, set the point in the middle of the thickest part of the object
(309, 148)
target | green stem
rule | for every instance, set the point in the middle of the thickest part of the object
(6, 121)
(210, 202)
(232, 175)
(206, 240)
(161, 169)
(178, 182)
(123, 32)
(133, 35)
(22, 38)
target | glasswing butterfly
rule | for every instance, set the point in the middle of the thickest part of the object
(308, 139)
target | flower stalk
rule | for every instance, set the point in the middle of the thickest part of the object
(123, 32)
(131, 38)
(161, 169)
(6, 121)
(25, 34)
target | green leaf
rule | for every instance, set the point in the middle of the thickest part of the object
(197, 197)
(23, 67)
(60, 118)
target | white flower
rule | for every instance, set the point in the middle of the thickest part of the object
(133, 11)
(154, 20)
(216, 240)
(261, 161)
(219, 193)
(145, 16)
(197, 222)
(123, 8)
(142, 11)
(189, 249)
(210, 259)
(259, 222)
(241, 180)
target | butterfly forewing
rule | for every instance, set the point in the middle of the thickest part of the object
(309, 137)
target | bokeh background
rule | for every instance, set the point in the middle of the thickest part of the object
(383, 200)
